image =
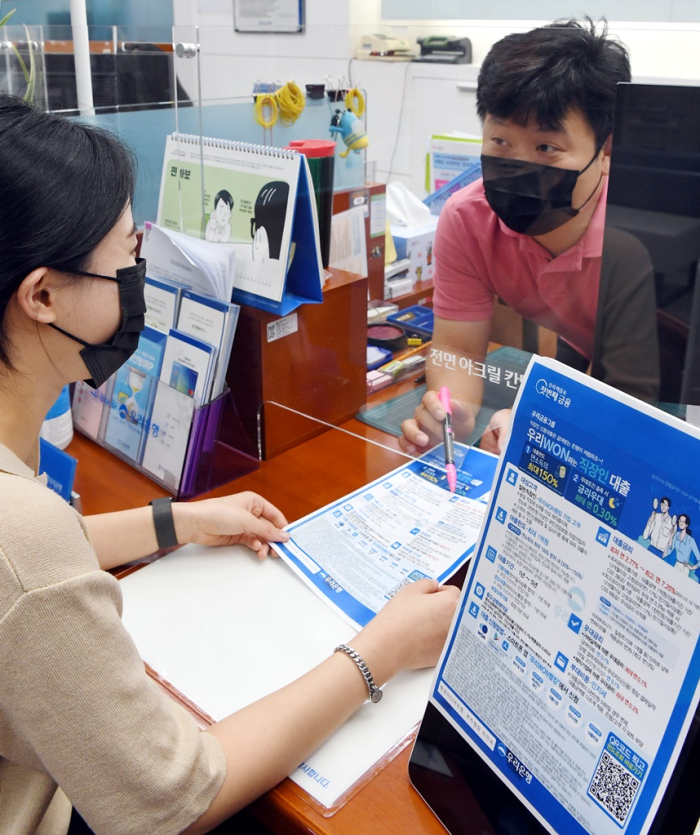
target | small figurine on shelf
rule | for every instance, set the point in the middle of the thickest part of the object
(351, 131)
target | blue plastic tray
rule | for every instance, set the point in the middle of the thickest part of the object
(437, 199)
(416, 320)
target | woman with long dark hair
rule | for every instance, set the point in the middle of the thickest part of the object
(80, 722)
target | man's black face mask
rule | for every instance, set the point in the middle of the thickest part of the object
(531, 198)
(103, 359)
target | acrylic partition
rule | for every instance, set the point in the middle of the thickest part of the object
(297, 394)
(421, 127)
(23, 63)
(418, 116)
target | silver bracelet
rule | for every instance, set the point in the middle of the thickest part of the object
(375, 694)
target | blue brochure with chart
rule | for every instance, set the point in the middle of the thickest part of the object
(358, 552)
(572, 668)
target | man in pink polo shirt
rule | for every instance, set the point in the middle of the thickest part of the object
(531, 232)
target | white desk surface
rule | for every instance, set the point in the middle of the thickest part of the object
(226, 629)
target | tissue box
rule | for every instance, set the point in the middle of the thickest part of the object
(416, 244)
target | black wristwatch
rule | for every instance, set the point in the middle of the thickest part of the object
(164, 523)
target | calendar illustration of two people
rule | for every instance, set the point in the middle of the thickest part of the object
(266, 224)
(239, 197)
(262, 237)
(256, 200)
(256, 225)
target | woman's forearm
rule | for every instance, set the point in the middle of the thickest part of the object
(121, 537)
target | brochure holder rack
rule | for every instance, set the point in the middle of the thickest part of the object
(187, 449)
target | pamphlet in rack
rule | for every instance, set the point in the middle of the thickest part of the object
(163, 410)
(573, 664)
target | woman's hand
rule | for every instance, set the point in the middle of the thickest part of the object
(424, 430)
(410, 631)
(240, 519)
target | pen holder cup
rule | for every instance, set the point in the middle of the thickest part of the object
(320, 154)
(185, 448)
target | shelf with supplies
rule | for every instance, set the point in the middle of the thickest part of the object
(422, 293)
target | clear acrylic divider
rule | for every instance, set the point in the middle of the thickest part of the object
(23, 62)
(298, 384)
(203, 83)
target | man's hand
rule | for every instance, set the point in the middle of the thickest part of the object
(495, 434)
(424, 430)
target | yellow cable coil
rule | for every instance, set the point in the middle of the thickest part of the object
(287, 102)
(355, 102)
(263, 101)
(291, 102)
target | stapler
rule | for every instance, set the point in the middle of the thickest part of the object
(384, 48)
(438, 49)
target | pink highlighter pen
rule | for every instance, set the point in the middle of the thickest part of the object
(448, 438)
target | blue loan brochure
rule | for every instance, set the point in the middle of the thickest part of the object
(572, 666)
(149, 354)
(359, 551)
(213, 321)
(130, 409)
(132, 396)
(188, 365)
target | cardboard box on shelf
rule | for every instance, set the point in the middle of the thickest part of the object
(416, 244)
(395, 287)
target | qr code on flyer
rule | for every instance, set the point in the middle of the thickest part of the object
(614, 787)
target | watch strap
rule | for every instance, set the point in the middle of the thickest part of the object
(164, 523)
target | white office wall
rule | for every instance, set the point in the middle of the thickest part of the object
(405, 103)
(231, 61)
(657, 50)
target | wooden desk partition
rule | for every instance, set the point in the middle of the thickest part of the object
(318, 368)
(298, 481)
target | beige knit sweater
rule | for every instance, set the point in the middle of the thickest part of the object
(77, 709)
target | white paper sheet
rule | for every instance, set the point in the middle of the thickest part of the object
(348, 242)
(226, 629)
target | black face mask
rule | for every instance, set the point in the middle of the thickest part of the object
(103, 359)
(530, 198)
